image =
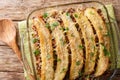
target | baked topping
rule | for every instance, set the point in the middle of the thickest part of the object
(71, 42)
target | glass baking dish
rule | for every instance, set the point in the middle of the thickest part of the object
(29, 59)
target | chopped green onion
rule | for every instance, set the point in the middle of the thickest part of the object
(62, 41)
(81, 46)
(61, 28)
(92, 54)
(45, 15)
(48, 56)
(66, 29)
(53, 25)
(80, 73)
(47, 25)
(63, 70)
(106, 52)
(92, 38)
(76, 15)
(78, 63)
(35, 40)
(58, 60)
(107, 34)
(67, 14)
(37, 52)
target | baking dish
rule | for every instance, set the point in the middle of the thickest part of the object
(28, 59)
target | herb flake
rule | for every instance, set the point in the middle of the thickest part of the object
(37, 52)
(106, 52)
(35, 40)
(76, 15)
(78, 63)
(67, 14)
(45, 15)
(62, 41)
(48, 56)
(63, 70)
(58, 60)
(81, 46)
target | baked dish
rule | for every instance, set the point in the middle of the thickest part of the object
(70, 44)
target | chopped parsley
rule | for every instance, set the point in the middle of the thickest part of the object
(76, 15)
(80, 73)
(66, 29)
(92, 54)
(58, 60)
(78, 63)
(106, 52)
(48, 56)
(45, 15)
(53, 25)
(61, 28)
(81, 46)
(106, 34)
(63, 70)
(47, 25)
(37, 52)
(62, 41)
(35, 40)
(67, 14)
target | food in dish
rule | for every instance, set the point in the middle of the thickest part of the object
(70, 44)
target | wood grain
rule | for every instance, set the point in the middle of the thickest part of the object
(11, 76)
(10, 67)
(19, 9)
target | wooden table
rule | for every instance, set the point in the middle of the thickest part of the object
(10, 68)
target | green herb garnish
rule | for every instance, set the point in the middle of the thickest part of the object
(45, 15)
(78, 63)
(58, 60)
(47, 25)
(66, 29)
(67, 14)
(61, 28)
(80, 73)
(63, 70)
(92, 54)
(37, 52)
(76, 15)
(107, 34)
(81, 46)
(62, 41)
(48, 56)
(35, 40)
(106, 52)
(53, 25)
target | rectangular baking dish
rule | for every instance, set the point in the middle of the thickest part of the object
(28, 59)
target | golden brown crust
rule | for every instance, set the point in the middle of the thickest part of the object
(89, 39)
(100, 28)
(75, 42)
(47, 71)
(61, 52)
(79, 40)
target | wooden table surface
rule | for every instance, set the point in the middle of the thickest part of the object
(10, 68)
